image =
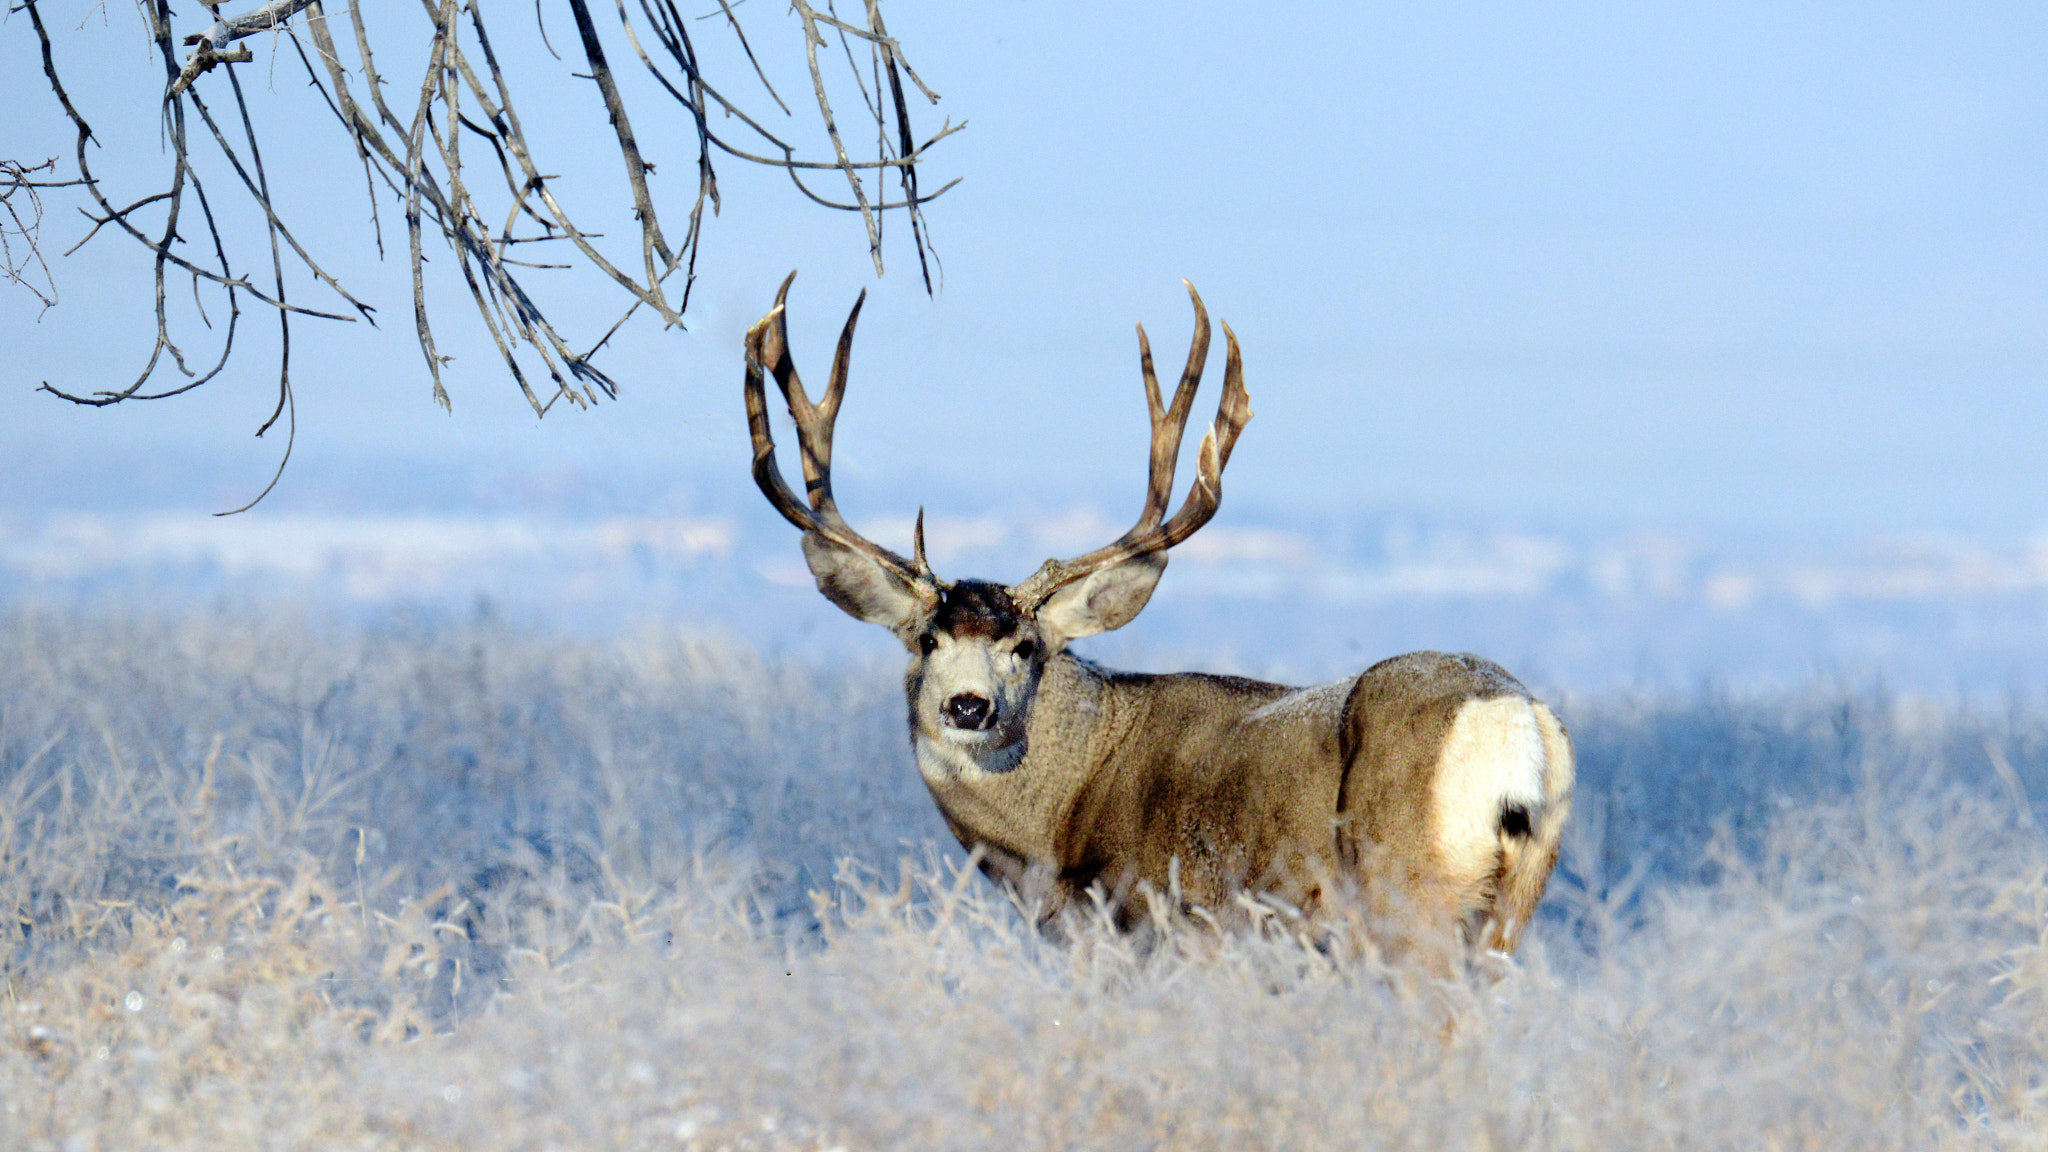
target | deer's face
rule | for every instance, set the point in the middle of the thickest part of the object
(976, 653)
(974, 667)
(978, 649)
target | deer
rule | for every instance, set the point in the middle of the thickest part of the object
(1433, 785)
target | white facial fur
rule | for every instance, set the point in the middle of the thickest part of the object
(981, 667)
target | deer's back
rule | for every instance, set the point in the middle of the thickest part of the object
(1225, 782)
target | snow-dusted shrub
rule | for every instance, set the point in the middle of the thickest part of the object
(456, 885)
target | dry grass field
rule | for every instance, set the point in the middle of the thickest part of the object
(427, 885)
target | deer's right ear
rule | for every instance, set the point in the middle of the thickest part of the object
(863, 588)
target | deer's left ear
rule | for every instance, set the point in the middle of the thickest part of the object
(1104, 600)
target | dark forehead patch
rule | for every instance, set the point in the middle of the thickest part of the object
(977, 608)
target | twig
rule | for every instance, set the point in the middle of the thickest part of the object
(652, 241)
(812, 39)
(16, 178)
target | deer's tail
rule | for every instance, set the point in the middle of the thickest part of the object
(1530, 831)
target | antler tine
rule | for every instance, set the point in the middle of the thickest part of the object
(775, 349)
(835, 387)
(768, 348)
(1169, 425)
(813, 432)
(1233, 412)
(767, 473)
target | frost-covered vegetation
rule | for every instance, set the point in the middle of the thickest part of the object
(457, 885)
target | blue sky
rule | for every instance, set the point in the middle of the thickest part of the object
(1749, 265)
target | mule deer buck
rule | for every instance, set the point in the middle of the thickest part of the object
(1432, 785)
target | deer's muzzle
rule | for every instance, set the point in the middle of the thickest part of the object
(969, 711)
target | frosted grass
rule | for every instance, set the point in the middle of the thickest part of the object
(454, 885)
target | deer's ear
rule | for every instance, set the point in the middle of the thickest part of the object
(863, 588)
(1104, 600)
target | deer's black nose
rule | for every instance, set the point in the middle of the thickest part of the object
(966, 710)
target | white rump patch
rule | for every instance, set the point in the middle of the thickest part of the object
(1493, 757)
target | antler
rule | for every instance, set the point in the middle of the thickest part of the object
(1233, 412)
(768, 346)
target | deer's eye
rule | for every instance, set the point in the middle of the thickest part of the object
(1025, 649)
(927, 643)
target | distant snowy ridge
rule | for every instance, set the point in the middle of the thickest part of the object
(1376, 560)
(1293, 599)
(361, 556)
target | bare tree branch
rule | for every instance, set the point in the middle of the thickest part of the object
(419, 162)
(21, 196)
